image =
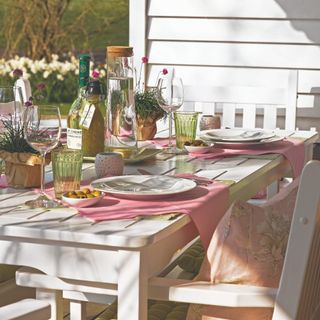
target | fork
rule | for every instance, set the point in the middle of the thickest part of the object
(198, 181)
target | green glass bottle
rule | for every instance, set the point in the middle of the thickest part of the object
(74, 131)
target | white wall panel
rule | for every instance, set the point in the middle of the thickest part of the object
(298, 9)
(234, 54)
(232, 42)
(240, 30)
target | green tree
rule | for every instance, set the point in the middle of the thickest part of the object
(38, 28)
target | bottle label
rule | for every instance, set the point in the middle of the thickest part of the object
(74, 138)
(87, 115)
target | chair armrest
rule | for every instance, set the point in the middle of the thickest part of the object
(28, 309)
(202, 292)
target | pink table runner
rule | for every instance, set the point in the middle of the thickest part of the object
(292, 149)
(205, 205)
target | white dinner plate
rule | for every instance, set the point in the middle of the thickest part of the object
(245, 144)
(238, 135)
(143, 186)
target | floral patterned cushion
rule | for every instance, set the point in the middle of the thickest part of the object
(248, 247)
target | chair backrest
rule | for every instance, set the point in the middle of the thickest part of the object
(25, 86)
(249, 101)
(299, 292)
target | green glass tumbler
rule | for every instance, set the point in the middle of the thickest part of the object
(66, 167)
(185, 123)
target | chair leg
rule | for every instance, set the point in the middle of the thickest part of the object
(77, 310)
(272, 189)
(55, 300)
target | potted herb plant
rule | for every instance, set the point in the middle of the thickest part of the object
(148, 111)
(22, 162)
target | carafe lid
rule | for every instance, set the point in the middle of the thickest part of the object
(119, 51)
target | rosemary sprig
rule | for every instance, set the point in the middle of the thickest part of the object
(12, 139)
(146, 105)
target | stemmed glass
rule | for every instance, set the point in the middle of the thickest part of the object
(170, 99)
(42, 131)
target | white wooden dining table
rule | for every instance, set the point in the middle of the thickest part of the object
(121, 255)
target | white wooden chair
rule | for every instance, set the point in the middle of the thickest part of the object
(27, 309)
(250, 101)
(25, 86)
(298, 296)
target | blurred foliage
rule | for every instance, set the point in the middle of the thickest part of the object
(52, 81)
(60, 26)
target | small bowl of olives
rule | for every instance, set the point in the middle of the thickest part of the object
(82, 198)
(197, 146)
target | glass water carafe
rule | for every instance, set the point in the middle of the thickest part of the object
(121, 123)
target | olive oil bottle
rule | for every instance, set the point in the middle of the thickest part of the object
(92, 119)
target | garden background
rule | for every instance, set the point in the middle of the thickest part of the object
(43, 38)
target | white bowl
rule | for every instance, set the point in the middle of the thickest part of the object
(82, 203)
(199, 149)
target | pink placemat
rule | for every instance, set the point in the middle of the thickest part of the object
(205, 205)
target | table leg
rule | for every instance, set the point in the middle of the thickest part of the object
(132, 286)
(55, 300)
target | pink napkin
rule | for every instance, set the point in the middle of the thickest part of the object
(205, 205)
(292, 149)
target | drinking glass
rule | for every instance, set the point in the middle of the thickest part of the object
(42, 130)
(170, 99)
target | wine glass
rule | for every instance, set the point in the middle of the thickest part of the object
(42, 131)
(170, 99)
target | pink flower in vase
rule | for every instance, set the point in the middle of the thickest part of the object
(95, 74)
(29, 103)
(145, 60)
(164, 71)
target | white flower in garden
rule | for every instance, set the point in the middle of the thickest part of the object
(54, 57)
(33, 68)
(46, 74)
(102, 73)
(60, 77)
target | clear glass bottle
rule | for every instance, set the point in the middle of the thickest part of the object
(74, 132)
(121, 123)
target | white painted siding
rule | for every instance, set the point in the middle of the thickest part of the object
(232, 42)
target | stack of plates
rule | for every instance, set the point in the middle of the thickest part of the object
(239, 136)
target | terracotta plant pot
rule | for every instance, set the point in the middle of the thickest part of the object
(23, 170)
(146, 128)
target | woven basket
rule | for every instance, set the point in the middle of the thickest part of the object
(23, 170)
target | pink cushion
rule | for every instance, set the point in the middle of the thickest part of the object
(248, 247)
